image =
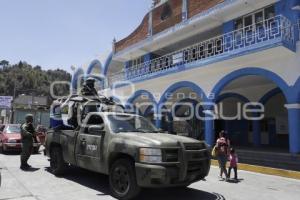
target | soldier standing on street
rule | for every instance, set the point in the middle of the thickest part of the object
(27, 137)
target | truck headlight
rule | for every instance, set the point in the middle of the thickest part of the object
(150, 155)
(11, 141)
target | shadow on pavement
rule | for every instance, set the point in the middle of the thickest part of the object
(178, 194)
(16, 153)
(32, 169)
(11, 153)
(86, 178)
(100, 183)
(235, 181)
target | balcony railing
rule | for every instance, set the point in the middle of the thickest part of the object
(268, 32)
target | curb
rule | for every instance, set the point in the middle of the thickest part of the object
(265, 170)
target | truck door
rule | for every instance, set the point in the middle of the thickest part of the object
(88, 145)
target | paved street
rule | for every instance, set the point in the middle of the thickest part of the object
(39, 184)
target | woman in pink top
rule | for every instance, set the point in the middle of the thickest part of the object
(222, 154)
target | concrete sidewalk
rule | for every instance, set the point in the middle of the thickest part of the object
(78, 184)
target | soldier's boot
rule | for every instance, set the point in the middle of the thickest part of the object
(24, 164)
(27, 165)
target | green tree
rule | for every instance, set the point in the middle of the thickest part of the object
(22, 77)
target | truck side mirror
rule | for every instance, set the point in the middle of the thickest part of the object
(96, 130)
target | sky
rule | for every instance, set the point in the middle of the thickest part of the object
(61, 33)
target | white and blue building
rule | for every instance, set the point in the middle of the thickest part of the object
(227, 52)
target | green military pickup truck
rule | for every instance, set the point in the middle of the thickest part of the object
(130, 150)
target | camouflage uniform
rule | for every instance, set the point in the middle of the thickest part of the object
(27, 137)
(89, 88)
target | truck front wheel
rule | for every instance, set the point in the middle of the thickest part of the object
(122, 180)
(57, 163)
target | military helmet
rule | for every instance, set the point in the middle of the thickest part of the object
(29, 117)
(90, 80)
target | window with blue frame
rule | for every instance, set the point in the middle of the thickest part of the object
(255, 19)
(135, 67)
(255, 27)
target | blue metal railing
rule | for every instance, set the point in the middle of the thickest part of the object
(271, 31)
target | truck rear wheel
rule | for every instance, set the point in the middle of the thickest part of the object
(122, 180)
(57, 163)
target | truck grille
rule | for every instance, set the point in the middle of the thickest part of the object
(194, 166)
(170, 155)
(196, 155)
(194, 147)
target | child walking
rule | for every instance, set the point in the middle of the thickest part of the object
(233, 160)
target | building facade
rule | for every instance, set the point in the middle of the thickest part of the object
(190, 60)
(38, 106)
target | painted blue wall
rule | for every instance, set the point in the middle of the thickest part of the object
(284, 7)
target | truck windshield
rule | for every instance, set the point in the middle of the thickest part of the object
(126, 123)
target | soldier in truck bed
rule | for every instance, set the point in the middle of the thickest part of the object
(89, 88)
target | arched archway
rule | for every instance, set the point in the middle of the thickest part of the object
(194, 126)
(271, 76)
(264, 99)
(140, 93)
(95, 67)
(183, 84)
(255, 84)
(232, 95)
(180, 92)
(275, 124)
(107, 63)
(141, 100)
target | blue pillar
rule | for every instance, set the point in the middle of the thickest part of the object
(294, 127)
(209, 132)
(209, 126)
